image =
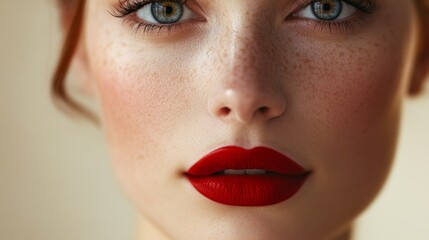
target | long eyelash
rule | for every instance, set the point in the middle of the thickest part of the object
(151, 27)
(366, 6)
(127, 7)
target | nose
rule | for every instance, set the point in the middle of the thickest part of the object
(245, 104)
(248, 80)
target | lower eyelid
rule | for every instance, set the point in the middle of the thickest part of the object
(174, 31)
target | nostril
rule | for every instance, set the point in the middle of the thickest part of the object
(224, 111)
(263, 109)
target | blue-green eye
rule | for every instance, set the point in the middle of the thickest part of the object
(164, 12)
(167, 12)
(327, 10)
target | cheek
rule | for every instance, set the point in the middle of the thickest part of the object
(142, 97)
(139, 96)
(137, 105)
(139, 114)
(349, 104)
(348, 86)
(138, 93)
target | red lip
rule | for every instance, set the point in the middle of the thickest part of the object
(283, 177)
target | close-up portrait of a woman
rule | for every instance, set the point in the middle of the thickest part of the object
(220, 119)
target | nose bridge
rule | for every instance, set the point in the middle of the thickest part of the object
(249, 49)
(247, 83)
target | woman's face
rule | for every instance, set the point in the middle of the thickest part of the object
(326, 93)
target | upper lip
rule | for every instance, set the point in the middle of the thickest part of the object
(237, 158)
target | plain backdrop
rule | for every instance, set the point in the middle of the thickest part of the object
(56, 181)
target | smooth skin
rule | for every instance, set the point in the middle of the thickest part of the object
(249, 74)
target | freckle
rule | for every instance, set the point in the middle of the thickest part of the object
(341, 54)
(306, 60)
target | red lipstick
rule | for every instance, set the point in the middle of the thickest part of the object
(257, 177)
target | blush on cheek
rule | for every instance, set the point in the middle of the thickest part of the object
(355, 91)
(140, 105)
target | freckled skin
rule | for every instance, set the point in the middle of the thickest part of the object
(331, 101)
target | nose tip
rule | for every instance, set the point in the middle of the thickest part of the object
(247, 106)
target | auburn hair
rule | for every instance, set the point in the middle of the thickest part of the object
(75, 11)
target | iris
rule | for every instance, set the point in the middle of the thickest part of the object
(327, 9)
(167, 11)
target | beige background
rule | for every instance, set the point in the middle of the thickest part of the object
(55, 177)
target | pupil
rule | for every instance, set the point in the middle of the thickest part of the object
(326, 7)
(169, 10)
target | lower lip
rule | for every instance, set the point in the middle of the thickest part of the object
(248, 190)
